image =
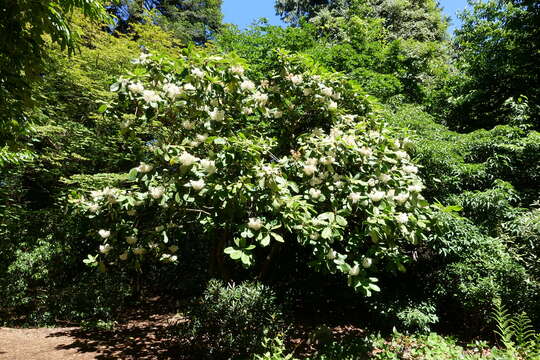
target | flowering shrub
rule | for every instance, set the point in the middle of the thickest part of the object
(296, 157)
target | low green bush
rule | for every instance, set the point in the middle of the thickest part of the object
(233, 319)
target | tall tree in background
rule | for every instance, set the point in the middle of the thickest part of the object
(292, 11)
(498, 49)
(405, 19)
(188, 20)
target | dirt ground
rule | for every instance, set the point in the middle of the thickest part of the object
(148, 338)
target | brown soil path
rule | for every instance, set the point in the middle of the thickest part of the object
(149, 338)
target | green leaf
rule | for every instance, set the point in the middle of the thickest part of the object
(133, 174)
(341, 220)
(103, 107)
(326, 233)
(277, 237)
(246, 259)
(265, 241)
(327, 216)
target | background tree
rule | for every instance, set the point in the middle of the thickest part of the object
(292, 11)
(498, 51)
(188, 20)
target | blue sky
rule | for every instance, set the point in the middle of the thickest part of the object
(244, 12)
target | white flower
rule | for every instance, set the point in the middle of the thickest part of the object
(217, 115)
(365, 151)
(247, 85)
(260, 98)
(186, 159)
(372, 182)
(139, 251)
(415, 188)
(104, 233)
(144, 168)
(366, 262)
(331, 254)
(332, 105)
(354, 197)
(328, 160)
(385, 178)
(315, 193)
(410, 169)
(143, 58)
(189, 87)
(308, 91)
(326, 91)
(150, 96)
(123, 256)
(209, 166)
(188, 125)
(136, 88)
(156, 192)
(309, 170)
(376, 196)
(314, 236)
(401, 198)
(168, 258)
(247, 110)
(355, 270)
(198, 73)
(104, 249)
(237, 70)
(296, 79)
(315, 181)
(278, 114)
(255, 224)
(172, 90)
(131, 240)
(312, 161)
(348, 118)
(402, 218)
(173, 249)
(197, 185)
(402, 154)
(202, 137)
(93, 207)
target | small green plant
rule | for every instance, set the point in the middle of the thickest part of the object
(516, 333)
(418, 317)
(274, 348)
(233, 319)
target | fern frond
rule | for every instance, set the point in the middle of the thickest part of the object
(524, 333)
(505, 328)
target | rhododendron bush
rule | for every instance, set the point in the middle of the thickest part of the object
(249, 165)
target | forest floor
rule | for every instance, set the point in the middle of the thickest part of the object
(135, 339)
(148, 338)
(144, 333)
